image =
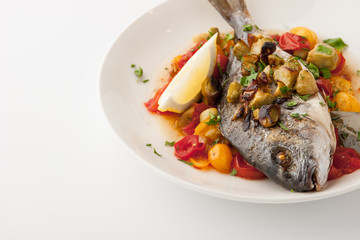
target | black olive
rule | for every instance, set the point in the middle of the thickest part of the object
(267, 49)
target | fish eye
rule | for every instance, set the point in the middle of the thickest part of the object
(282, 157)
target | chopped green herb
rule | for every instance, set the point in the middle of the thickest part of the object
(305, 49)
(170, 144)
(224, 82)
(166, 69)
(325, 72)
(211, 33)
(322, 104)
(324, 49)
(358, 72)
(358, 136)
(262, 66)
(133, 65)
(139, 72)
(344, 135)
(213, 119)
(247, 27)
(228, 37)
(284, 89)
(192, 50)
(271, 71)
(157, 153)
(314, 70)
(216, 141)
(304, 114)
(291, 190)
(189, 163)
(247, 79)
(282, 125)
(252, 108)
(233, 172)
(336, 92)
(148, 144)
(304, 97)
(291, 104)
(277, 55)
(257, 27)
(335, 118)
(337, 43)
(219, 68)
(337, 109)
(296, 115)
(330, 103)
(145, 81)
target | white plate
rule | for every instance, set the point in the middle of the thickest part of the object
(166, 31)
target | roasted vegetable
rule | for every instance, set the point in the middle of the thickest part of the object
(205, 115)
(303, 53)
(293, 64)
(346, 102)
(340, 84)
(261, 98)
(185, 118)
(253, 38)
(305, 83)
(257, 46)
(234, 92)
(256, 114)
(269, 115)
(323, 56)
(211, 90)
(286, 75)
(240, 49)
(213, 31)
(281, 90)
(275, 60)
(249, 62)
(220, 157)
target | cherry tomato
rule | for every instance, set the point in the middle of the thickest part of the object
(340, 64)
(153, 103)
(276, 37)
(220, 157)
(345, 161)
(221, 64)
(188, 147)
(334, 173)
(291, 42)
(244, 169)
(195, 119)
(324, 84)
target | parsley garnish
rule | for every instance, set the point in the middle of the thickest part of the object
(298, 116)
(358, 136)
(139, 73)
(166, 69)
(305, 49)
(247, 79)
(325, 72)
(262, 65)
(145, 81)
(283, 126)
(284, 89)
(233, 172)
(189, 163)
(305, 114)
(330, 103)
(291, 190)
(157, 153)
(219, 68)
(247, 27)
(314, 70)
(344, 135)
(336, 92)
(132, 65)
(358, 72)
(148, 144)
(257, 27)
(216, 141)
(337, 43)
(322, 104)
(324, 49)
(170, 144)
(228, 37)
(213, 119)
(304, 97)
(291, 104)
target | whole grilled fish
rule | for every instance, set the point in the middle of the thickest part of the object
(298, 158)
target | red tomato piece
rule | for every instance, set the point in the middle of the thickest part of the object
(195, 119)
(324, 84)
(188, 147)
(244, 169)
(276, 37)
(346, 159)
(340, 64)
(291, 42)
(334, 173)
(153, 103)
(221, 64)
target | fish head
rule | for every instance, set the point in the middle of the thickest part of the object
(299, 166)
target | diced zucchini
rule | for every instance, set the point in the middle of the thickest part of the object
(234, 92)
(323, 56)
(249, 62)
(240, 49)
(275, 60)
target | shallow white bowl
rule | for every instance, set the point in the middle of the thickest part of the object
(166, 31)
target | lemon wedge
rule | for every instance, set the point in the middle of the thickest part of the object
(185, 88)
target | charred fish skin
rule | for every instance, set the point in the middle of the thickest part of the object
(298, 158)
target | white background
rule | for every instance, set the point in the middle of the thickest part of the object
(64, 173)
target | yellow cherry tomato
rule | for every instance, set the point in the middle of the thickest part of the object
(220, 157)
(346, 102)
(200, 162)
(305, 32)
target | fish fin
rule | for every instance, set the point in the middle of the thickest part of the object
(235, 12)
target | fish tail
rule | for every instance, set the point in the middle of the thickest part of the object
(235, 12)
